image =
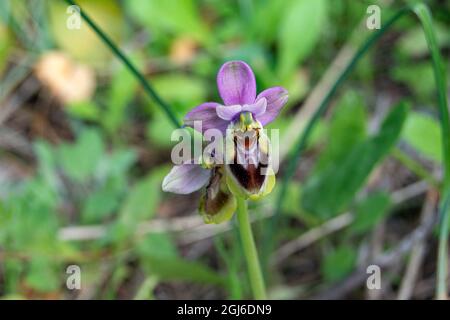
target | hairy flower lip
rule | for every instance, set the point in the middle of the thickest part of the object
(254, 194)
(248, 163)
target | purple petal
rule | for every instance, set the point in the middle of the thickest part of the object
(257, 108)
(206, 113)
(236, 83)
(186, 178)
(276, 98)
(228, 112)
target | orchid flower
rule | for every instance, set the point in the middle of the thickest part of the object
(237, 88)
(246, 172)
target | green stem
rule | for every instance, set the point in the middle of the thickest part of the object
(415, 167)
(442, 269)
(145, 84)
(426, 20)
(251, 255)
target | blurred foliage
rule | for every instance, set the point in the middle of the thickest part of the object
(370, 211)
(338, 263)
(423, 133)
(83, 43)
(307, 16)
(331, 190)
(107, 170)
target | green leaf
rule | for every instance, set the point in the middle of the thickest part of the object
(184, 91)
(142, 199)
(157, 245)
(338, 263)
(418, 76)
(370, 211)
(46, 162)
(110, 187)
(413, 41)
(160, 257)
(116, 163)
(233, 260)
(140, 204)
(79, 160)
(292, 199)
(122, 91)
(159, 130)
(347, 128)
(179, 17)
(42, 275)
(266, 18)
(299, 32)
(423, 133)
(103, 202)
(84, 110)
(182, 270)
(332, 189)
(13, 270)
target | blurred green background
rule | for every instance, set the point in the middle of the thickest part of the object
(83, 150)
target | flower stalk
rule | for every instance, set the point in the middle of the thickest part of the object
(251, 255)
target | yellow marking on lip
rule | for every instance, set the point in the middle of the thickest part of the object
(246, 120)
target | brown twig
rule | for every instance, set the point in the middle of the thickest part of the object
(341, 222)
(384, 261)
(24, 92)
(418, 251)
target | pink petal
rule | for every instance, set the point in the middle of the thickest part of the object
(276, 98)
(186, 178)
(257, 108)
(236, 83)
(228, 112)
(206, 113)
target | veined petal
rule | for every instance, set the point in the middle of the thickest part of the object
(258, 108)
(228, 112)
(186, 178)
(276, 98)
(206, 113)
(236, 83)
